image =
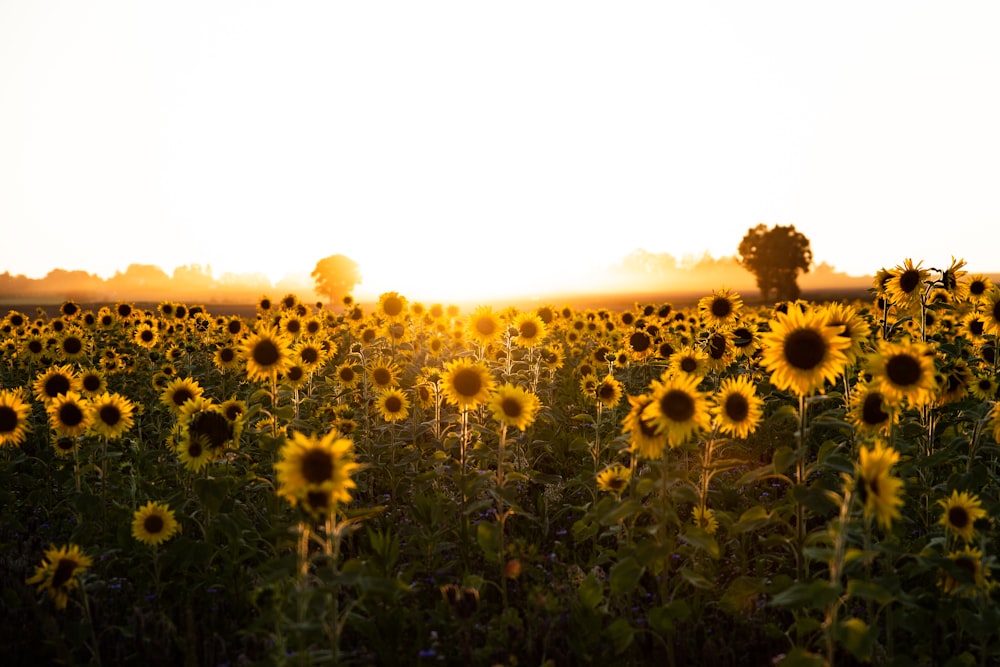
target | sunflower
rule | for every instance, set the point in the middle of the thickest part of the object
(54, 382)
(974, 325)
(483, 326)
(965, 573)
(145, 336)
(642, 436)
(953, 382)
(990, 308)
(720, 309)
(92, 382)
(154, 523)
(705, 519)
(466, 383)
(720, 351)
(291, 325)
(690, 360)
(608, 391)
(904, 372)
(65, 446)
(69, 414)
(226, 358)
(855, 328)
(869, 412)
(977, 286)
(205, 422)
(72, 346)
(110, 415)
(514, 406)
(267, 354)
(310, 355)
(383, 373)
(347, 374)
(639, 345)
(59, 573)
(234, 409)
(179, 391)
(392, 306)
(33, 347)
(392, 404)
(14, 411)
(678, 410)
(960, 513)
(802, 351)
(194, 453)
(531, 330)
(984, 387)
(552, 356)
(880, 492)
(309, 464)
(905, 284)
(614, 479)
(737, 408)
(294, 376)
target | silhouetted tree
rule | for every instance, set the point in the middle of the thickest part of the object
(775, 256)
(336, 276)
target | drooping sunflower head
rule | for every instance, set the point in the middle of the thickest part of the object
(880, 492)
(802, 351)
(514, 406)
(59, 573)
(466, 383)
(154, 523)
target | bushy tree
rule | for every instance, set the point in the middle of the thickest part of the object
(336, 276)
(775, 256)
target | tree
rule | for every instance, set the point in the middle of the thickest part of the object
(335, 277)
(775, 256)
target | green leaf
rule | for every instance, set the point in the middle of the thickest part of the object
(815, 594)
(625, 575)
(799, 657)
(857, 637)
(488, 537)
(211, 492)
(701, 540)
(754, 518)
(621, 634)
(590, 592)
(783, 458)
(695, 579)
(662, 618)
(868, 590)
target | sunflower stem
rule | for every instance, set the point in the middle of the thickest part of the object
(800, 479)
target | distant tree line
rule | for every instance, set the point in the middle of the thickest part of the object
(144, 282)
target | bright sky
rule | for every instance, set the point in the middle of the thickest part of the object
(471, 148)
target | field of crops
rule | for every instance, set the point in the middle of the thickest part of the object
(412, 484)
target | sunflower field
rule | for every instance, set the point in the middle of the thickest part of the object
(719, 483)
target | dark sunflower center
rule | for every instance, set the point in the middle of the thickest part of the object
(805, 349)
(392, 306)
(296, 373)
(467, 382)
(605, 391)
(91, 382)
(35, 346)
(908, 280)
(293, 326)
(72, 345)
(689, 364)
(70, 414)
(110, 414)
(511, 407)
(976, 327)
(234, 327)
(318, 500)
(967, 565)
(8, 419)
(55, 385)
(903, 370)
(742, 337)
(146, 335)
(639, 341)
(182, 395)
(486, 326)
(393, 404)
(616, 483)
(346, 375)
(227, 355)
(194, 448)
(309, 355)
(737, 407)
(64, 572)
(677, 405)
(153, 524)
(717, 346)
(871, 410)
(65, 444)
(721, 307)
(233, 412)
(958, 517)
(317, 466)
(265, 353)
(211, 427)
(528, 330)
(382, 376)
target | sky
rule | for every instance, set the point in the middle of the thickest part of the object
(457, 149)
